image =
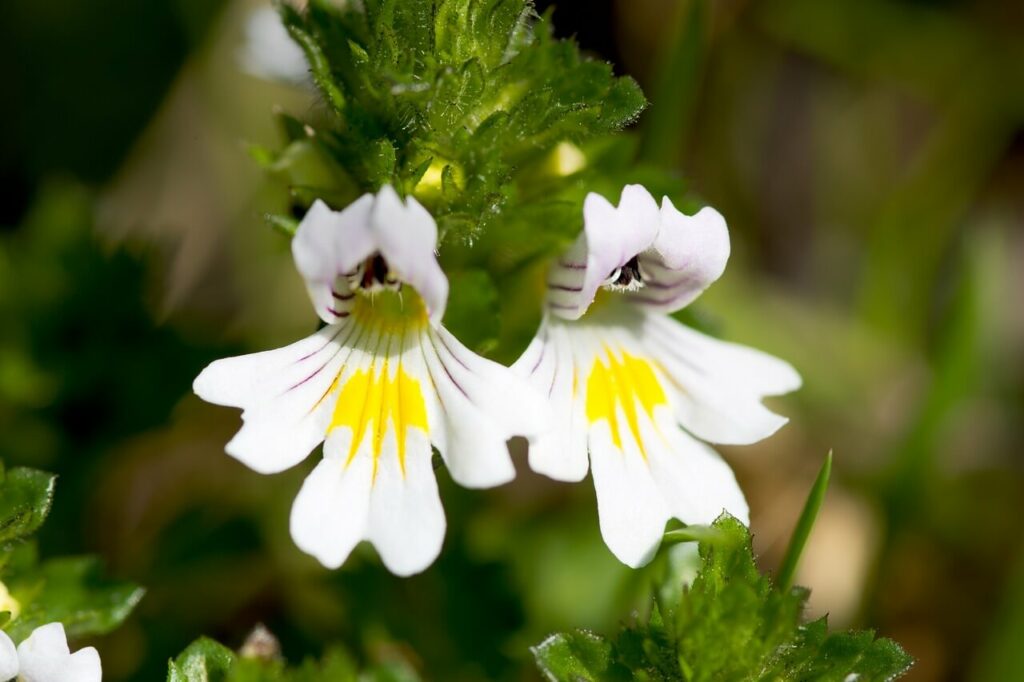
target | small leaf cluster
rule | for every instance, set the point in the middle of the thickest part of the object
(448, 100)
(208, 661)
(730, 624)
(69, 590)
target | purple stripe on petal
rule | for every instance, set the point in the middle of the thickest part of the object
(341, 347)
(563, 287)
(540, 358)
(455, 383)
(448, 348)
(326, 343)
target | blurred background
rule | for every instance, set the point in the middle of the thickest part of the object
(869, 157)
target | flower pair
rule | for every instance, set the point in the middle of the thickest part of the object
(614, 377)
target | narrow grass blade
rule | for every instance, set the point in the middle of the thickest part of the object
(803, 526)
(668, 122)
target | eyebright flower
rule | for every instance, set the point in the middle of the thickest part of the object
(636, 389)
(45, 657)
(268, 52)
(380, 383)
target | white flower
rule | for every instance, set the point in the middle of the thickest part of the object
(381, 382)
(268, 51)
(635, 389)
(45, 657)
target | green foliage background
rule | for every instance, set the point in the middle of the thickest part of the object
(866, 155)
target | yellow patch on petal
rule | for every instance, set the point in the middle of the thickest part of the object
(623, 380)
(390, 312)
(9, 603)
(370, 399)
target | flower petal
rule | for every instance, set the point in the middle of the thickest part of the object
(45, 657)
(329, 244)
(269, 52)
(285, 395)
(329, 516)
(550, 366)
(688, 255)
(718, 386)
(630, 508)
(8, 657)
(481, 404)
(406, 520)
(612, 235)
(376, 482)
(407, 237)
(696, 484)
(84, 666)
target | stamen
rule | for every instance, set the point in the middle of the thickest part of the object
(625, 278)
(373, 275)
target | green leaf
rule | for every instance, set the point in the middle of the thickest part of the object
(730, 624)
(203, 661)
(804, 525)
(578, 656)
(25, 499)
(73, 591)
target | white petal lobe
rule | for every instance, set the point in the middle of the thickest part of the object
(472, 429)
(407, 237)
(612, 235)
(327, 245)
(406, 520)
(284, 394)
(329, 516)
(45, 657)
(8, 657)
(551, 367)
(630, 508)
(688, 255)
(718, 387)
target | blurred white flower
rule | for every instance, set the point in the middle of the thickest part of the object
(268, 51)
(381, 383)
(637, 390)
(45, 657)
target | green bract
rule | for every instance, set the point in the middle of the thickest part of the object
(451, 100)
(730, 624)
(474, 108)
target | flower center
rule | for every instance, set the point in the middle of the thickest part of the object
(625, 278)
(373, 275)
